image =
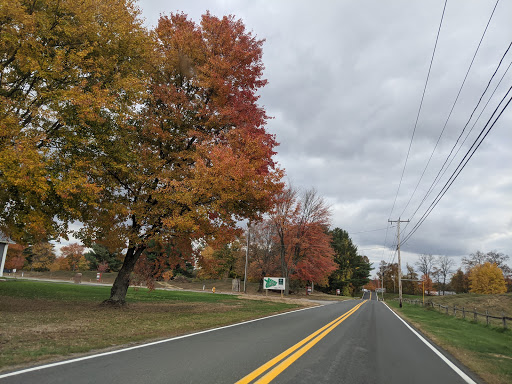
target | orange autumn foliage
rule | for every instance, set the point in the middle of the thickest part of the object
(15, 257)
(70, 71)
(301, 227)
(372, 285)
(140, 136)
(73, 254)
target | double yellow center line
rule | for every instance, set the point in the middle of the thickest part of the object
(293, 353)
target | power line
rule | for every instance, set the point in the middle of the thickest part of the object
(439, 175)
(368, 249)
(417, 118)
(392, 254)
(370, 230)
(474, 124)
(385, 240)
(461, 166)
(452, 177)
(438, 178)
(419, 109)
(453, 106)
(399, 260)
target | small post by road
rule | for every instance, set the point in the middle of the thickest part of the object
(399, 260)
(382, 275)
(423, 289)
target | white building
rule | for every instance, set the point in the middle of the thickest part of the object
(4, 243)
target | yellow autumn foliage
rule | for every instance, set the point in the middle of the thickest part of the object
(487, 279)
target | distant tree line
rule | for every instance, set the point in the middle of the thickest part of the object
(480, 273)
(42, 257)
(293, 241)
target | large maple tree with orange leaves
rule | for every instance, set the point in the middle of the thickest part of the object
(161, 140)
(205, 156)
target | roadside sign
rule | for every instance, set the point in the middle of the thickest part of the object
(338, 291)
(277, 283)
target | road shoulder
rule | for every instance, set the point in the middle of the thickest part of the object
(434, 344)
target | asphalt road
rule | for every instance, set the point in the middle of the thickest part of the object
(368, 345)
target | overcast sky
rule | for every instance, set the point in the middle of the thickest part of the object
(345, 85)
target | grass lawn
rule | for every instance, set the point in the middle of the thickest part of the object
(43, 321)
(495, 304)
(486, 350)
(194, 284)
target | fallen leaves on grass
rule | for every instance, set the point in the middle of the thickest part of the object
(35, 330)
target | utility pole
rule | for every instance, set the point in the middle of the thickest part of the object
(247, 255)
(399, 260)
(382, 286)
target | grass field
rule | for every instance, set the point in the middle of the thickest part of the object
(221, 286)
(486, 350)
(495, 304)
(46, 321)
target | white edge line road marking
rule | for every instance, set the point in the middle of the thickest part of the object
(37, 368)
(464, 377)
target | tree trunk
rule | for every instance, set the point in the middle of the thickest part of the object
(284, 267)
(284, 271)
(122, 282)
(260, 286)
(286, 286)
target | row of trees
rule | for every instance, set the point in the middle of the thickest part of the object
(148, 138)
(483, 273)
(480, 273)
(293, 241)
(42, 257)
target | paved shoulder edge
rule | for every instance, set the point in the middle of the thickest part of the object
(450, 360)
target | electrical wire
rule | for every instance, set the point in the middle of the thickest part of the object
(452, 178)
(443, 169)
(453, 106)
(417, 118)
(367, 249)
(392, 249)
(371, 230)
(419, 109)
(385, 241)
(474, 124)
(461, 166)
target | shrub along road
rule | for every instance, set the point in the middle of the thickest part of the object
(356, 341)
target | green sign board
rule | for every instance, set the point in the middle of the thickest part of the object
(274, 283)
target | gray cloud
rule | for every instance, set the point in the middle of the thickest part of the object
(345, 83)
